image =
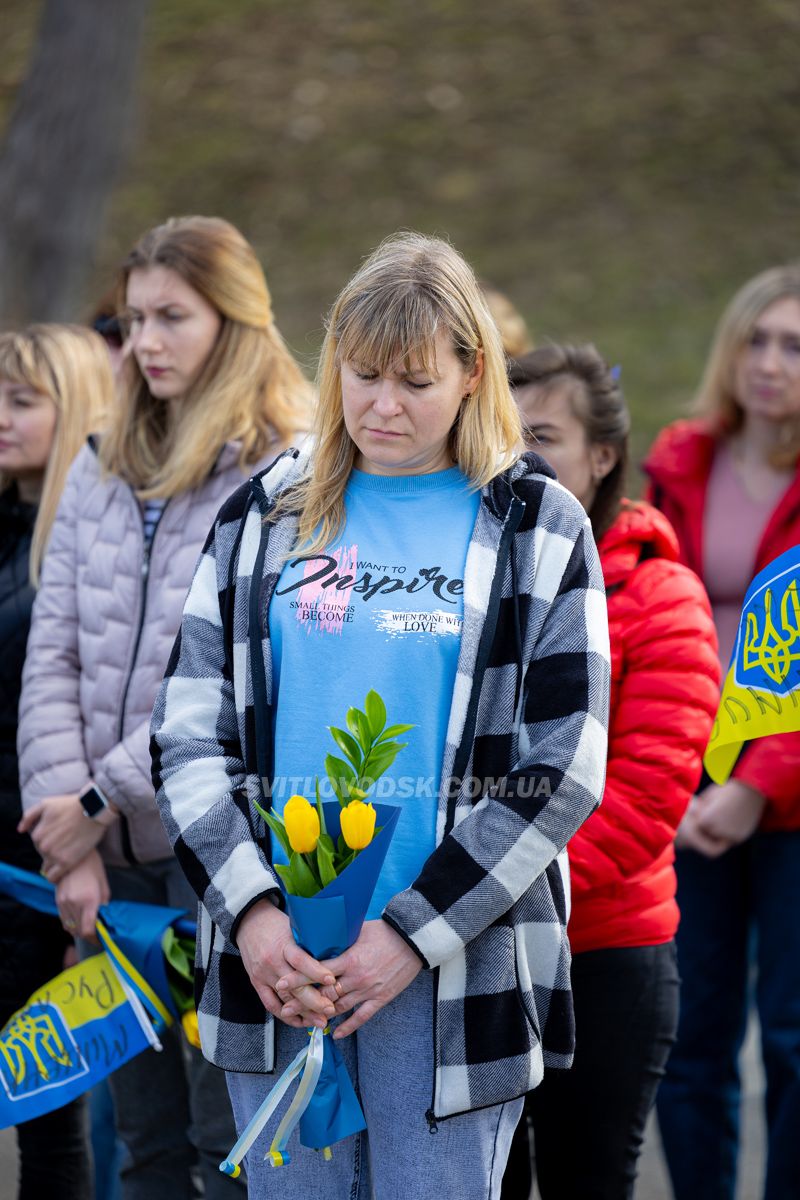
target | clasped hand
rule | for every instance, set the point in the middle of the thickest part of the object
(300, 991)
(720, 817)
(62, 833)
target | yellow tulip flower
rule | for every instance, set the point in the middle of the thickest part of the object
(190, 1029)
(358, 824)
(302, 824)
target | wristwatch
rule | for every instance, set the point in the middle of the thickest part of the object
(93, 802)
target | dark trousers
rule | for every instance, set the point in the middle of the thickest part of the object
(746, 902)
(54, 1156)
(172, 1108)
(588, 1123)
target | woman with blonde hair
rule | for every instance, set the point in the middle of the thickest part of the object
(55, 385)
(209, 393)
(397, 555)
(729, 481)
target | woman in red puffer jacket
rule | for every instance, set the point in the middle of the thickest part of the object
(588, 1123)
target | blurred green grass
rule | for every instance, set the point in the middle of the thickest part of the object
(618, 169)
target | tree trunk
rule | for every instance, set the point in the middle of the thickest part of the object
(67, 137)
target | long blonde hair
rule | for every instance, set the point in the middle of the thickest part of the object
(408, 290)
(70, 365)
(250, 390)
(716, 398)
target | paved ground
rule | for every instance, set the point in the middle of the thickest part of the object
(653, 1183)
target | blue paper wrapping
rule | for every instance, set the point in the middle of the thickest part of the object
(325, 925)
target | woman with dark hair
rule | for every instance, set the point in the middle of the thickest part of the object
(729, 480)
(588, 1123)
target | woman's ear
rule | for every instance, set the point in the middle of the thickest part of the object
(603, 458)
(475, 375)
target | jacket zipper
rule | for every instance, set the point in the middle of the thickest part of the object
(125, 835)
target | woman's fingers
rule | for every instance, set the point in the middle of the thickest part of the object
(30, 818)
(303, 964)
(269, 998)
(292, 981)
(308, 999)
(359, 1017)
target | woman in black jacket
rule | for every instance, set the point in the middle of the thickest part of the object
(54, 382)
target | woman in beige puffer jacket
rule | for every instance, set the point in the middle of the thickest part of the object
(210, 394)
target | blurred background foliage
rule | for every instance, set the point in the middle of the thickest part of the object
(617, 168)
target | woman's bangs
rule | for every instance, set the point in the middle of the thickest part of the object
(16, 366)
(382, 337)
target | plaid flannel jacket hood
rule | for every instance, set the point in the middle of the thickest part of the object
(524, 766)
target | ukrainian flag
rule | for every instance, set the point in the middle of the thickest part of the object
(761, 695)
(93, 1017)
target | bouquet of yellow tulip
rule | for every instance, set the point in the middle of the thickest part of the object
(315, 859)
(335, 854)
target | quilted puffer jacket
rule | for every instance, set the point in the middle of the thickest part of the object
(679, 465)
(664, 694)
(104, 621)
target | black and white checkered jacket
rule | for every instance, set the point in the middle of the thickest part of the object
(524, 766)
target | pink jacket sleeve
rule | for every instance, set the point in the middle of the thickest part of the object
(52, 760)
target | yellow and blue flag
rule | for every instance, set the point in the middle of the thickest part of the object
(761, 694)
(83, 1024)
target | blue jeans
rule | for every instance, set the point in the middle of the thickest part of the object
(172, 1109)
(390, 1061)
(753, 889)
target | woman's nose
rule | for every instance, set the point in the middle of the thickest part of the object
(386, 398)
(148, 336)
(770, 359)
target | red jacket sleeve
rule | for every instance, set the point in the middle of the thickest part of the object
(771, 765)
(665, 691)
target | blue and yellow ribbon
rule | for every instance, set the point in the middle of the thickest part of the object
(307, 1064)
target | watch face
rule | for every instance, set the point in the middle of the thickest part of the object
(92, 802)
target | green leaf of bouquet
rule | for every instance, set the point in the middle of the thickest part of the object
(327, 871)
(278, 828)
(381, 759)
(376, 713)
(327, 841)
(320, 810)
(352, 720)
(364, 732)
(394, 731)
(347, 744)
(337, 768)
(286, 875)
(305, 881)
(340, 775)
(179, 968)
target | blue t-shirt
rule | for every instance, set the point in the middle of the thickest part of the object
(382, 609)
